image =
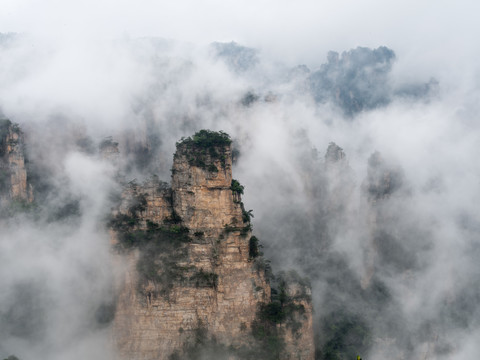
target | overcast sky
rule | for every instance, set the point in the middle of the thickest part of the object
(295, 31)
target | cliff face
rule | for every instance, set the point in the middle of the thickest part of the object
(190, 269)
(13, 175)
(201, 194)
(382, 182)
(299, 339)
(340, 182)
(109, 151)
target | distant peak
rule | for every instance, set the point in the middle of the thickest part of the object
(334, 153)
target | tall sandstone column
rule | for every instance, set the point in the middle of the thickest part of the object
(217, 288)
(13, 174)
(152, 326)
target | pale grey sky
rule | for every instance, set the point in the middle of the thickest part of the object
(295, 31)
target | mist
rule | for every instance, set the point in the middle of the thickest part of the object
(385, 225)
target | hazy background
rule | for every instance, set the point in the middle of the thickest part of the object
(389, 242)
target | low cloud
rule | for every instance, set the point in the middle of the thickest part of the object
(398, 266)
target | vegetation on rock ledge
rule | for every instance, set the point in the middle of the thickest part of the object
(283, 309)
(236, 187)
(205, 148)
(204, 279)
(161, 247)
(5, 127)
(205, 139)
(254, 248)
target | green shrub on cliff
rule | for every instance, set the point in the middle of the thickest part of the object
(254, 248)
(205, 139)
(282, 309)
(161, 249)
(204, 279)
(205, 147)
(346, 335)
(236, 187)
(246, 215)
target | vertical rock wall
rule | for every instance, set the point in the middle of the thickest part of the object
(299, 341)
(201, 195)
(152, 326)
(13, 174)
(219, 288)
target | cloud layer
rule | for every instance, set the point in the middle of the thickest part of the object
(401, 268)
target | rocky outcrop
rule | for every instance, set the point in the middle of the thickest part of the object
(191, 263)
(13, 174)
(382, 180)
(201, 182)
(109, 150)
(334, 156)
(338, 202)
(339, 178)
(299, 338)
